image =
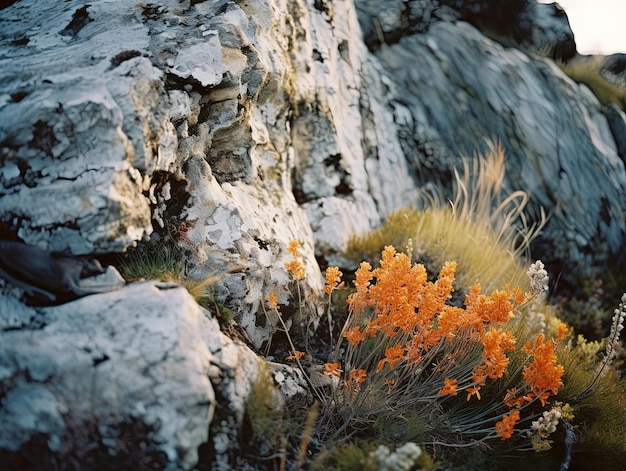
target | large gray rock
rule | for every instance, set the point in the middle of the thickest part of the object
(122, 380)
(464, 87)
(196, 92)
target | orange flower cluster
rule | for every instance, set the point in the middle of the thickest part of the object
(332, 369)
(296, 355)
(449, 387)
(504, 427)
(400, 320)
(543, 374)
(393, 356)
(358, 375)
(403, 301)
(272, 302)
(333, 280)
(495, 343)
(295, 266)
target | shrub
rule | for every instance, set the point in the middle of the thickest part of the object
(410, 354)
(498, 373)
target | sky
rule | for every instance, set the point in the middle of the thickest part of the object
(599, 25)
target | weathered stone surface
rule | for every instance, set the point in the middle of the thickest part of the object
(465, 87)
(550, 34)
(281, 125)
(145, 360)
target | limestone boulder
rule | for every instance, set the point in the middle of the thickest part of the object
(130, 378)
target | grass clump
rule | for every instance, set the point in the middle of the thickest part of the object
(166, 262)
(487, 234)
(264, 415)
(585, 71)
(153, 262)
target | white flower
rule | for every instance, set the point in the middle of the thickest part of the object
(403, 459)
(547, 424)
(538, 279)
(617, 325)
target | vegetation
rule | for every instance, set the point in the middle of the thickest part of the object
(491, 379)
(487, 234)
(468, 369)
(165, 262)
(499, 374)
(585, 71)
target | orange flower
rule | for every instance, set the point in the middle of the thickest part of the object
(504, 427)
(449, 387)
(296, 355)
(473, 391)
(333, 279)
(392, 356)
(561, 331)
(294, 248)
(353, 335)
(479, 374)
(495, 343)
(543, 374)
(358, 375)
(295, 266)
(272, 302)
(332, 369)
(359, 299)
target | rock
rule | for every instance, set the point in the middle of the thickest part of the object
(54, 277)
(399, 18)
(567, 160)
(550, 31)
(613, 69)
(189, 81)
(617, 122)
(533, 27)
(130, 378)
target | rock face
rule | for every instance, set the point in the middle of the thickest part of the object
(130, 378)
(232, 127)
(530, 107)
